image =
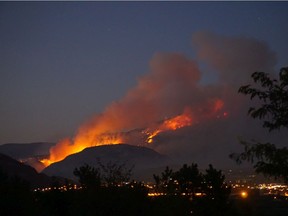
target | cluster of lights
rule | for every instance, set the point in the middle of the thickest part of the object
(242, 193)
(61, 188)
(272, 186)
(176, 194)
(274, 189)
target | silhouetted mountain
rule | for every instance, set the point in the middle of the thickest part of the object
(145, 160)
(25, 150)
(14, 168)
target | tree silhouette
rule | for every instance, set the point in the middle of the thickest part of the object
(165, 183)
(204, 194)
(112, 197)
(89, 177)
(215, 187)
(273, 95)
(113, 173)
(189, 178)
(215, 201)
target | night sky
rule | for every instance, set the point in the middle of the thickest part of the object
(63, 62)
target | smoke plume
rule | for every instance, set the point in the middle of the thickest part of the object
(172, 87)
(234, 58)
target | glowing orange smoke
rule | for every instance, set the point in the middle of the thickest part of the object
(97, 134)
(218, 105)
(175, 123)
(65, 147)
(84, 140)
(151, 135)
(184, 120)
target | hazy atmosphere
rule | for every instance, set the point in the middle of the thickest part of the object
(76, 70)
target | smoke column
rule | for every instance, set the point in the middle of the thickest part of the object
(172, 86)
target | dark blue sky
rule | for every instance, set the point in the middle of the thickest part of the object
(62, 62)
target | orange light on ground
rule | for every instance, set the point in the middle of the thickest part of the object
(244, 194)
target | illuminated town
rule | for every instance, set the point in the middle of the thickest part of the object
(241, 190)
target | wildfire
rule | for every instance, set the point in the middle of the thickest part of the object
(96, 135)
(65, 147)
(183, 120)
(151, 135)
(175, 123)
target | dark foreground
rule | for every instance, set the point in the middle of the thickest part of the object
(132, 199)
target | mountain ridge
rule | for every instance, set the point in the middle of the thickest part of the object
(14, 168)
(143, 160)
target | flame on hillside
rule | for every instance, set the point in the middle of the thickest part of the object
(185, 120)
(92, 137)
(175, 123)
(65, 147)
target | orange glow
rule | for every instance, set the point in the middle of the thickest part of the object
(218, 105)
(183, 120)
(151, 135)
(244, 194)
(46, 162)
(106, 129)
(66, 147)
(175, 123)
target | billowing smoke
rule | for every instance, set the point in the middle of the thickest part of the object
(234, 58)
(171, 87)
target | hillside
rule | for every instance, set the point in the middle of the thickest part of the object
(144, 160)
(14, 168)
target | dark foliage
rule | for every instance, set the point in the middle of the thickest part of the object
(273, 95)
(211, 187)
(89, 177)
(114, 173)
(110, 174)
(189, 178)
(15, 196)
(131, 198)
(110, 201)
(165, 183)
(266, 157)
(215, 202)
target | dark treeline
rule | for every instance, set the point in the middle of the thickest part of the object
(107, 191)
